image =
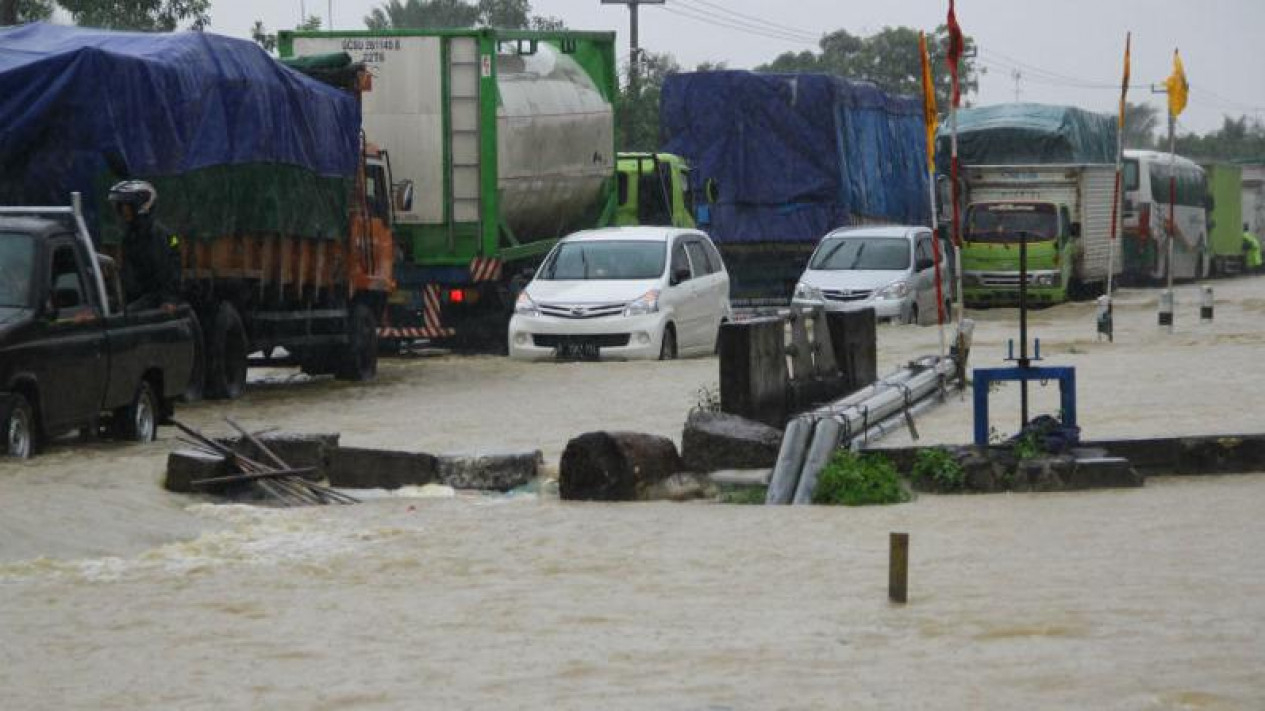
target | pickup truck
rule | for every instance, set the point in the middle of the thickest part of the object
(71, 355)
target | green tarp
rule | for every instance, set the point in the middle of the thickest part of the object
(1027, 134)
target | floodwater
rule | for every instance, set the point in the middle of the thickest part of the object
(117, 595)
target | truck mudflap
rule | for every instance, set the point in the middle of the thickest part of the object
(432, 324)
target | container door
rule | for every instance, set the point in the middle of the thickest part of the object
(463, 133)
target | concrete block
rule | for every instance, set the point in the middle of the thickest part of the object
(753, 373)
(356, 468)
(297, 450)
(714, 440)
(854, 337)
(615, 466)
(1103, 473)
(489, 472)
(741, 478)
(186, 466)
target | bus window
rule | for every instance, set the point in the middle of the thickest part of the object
(1130, 175)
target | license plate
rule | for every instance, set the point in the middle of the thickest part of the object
(578, 350)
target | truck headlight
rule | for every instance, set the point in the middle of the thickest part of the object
(1046, 280)
(647, 303)
(525, 306)
(807, 292)
(895, 290)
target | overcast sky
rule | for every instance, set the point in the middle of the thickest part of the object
(1066, 51)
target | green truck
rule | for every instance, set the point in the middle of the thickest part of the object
(506, 141)
(1225, 217)
(1065, 213)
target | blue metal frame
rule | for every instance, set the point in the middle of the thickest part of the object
(984, 377)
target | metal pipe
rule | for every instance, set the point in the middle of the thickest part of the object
(790, 461)
(825, 442)
(1023, 327)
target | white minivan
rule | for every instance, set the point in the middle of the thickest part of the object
(890, 269)
(623, 293)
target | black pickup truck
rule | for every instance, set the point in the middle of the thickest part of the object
(71, 355)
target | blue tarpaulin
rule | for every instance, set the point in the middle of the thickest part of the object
(1024, 134)
(80, 107)
(794, 156)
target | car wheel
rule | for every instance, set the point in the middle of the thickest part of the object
(138, 421)
(226, 353)
(913, 315)
(667, 351)
(19, 429)
(359, 361)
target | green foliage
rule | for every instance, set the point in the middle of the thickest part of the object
(268, 40)
(638, 112)
(754, 496)
(144, 15)
(851, 479)
(19, 11)
(1236, 139)
(429, 14)
(1141, 121)
(888, 58)
(1028, 446)
(937, 469)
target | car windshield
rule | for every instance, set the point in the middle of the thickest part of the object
(605, 259)
(861, 253)
(1004, 222)
(17, 252)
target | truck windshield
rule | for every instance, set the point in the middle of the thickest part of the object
(17, 252)
(861, 253)
(1004, 222)
(607, 259)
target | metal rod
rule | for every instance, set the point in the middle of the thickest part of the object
(1023, 326)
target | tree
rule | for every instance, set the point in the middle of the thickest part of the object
(889, 59)
(506, 14)
(547, 22)
(13, 12)
(1141, 121)
(1240, 138)
(638, 123)
(268, 40)
(145, 15)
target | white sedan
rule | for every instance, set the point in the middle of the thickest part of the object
(623, 293)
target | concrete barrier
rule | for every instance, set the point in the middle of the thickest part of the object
(356, 468)
(713, 441)
(753, 373)
(615, 466)
(489, 472)
(186, 466)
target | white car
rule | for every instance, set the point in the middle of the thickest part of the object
(623, 293)
(890, 269)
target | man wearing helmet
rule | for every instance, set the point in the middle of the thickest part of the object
(151, 253)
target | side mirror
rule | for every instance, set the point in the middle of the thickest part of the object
(1076, 229)
(680, 275)
(403, 195)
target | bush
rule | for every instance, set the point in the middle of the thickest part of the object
(938, 470)
(859, 480)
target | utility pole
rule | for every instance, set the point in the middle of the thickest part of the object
(634, 54)
(1017, 76)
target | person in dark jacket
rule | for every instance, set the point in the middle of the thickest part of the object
(151, 253)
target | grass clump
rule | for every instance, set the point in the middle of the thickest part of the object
(754, 495)
(852, 479)
(937, 469)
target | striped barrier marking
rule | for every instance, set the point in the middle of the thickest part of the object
(485, 269)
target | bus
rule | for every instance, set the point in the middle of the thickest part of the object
(1148, 198)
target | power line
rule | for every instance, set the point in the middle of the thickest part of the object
(740, 26)
(762, 21)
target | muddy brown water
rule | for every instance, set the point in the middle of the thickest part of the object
(114, 594)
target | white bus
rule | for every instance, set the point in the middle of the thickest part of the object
(1148, 191)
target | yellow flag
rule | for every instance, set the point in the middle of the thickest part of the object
(929, 114)
(1124, 85)
(1178, 87)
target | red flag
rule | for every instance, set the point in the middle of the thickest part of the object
(956, 47)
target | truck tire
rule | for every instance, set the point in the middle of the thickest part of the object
(226, 352)
(19, 429)
(138, 422)
(358, 361)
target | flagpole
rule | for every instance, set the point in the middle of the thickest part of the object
(935, 250)
(930, 121)
(1116, 216)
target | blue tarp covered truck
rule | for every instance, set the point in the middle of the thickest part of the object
(784, 158)
(282, 210)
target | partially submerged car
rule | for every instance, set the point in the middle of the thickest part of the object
(623, 293)
(890, 269)
(71, 356)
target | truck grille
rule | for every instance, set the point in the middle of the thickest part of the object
(581, 310)
(1002, 280)
(846, 294)
(596, 340)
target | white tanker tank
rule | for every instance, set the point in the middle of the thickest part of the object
(442, 101)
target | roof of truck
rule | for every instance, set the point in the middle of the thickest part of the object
(34, 226)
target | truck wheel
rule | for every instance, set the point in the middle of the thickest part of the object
(138, 421)
(226, 354)
(19, 429)
(359, 360)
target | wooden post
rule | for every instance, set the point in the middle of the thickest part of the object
(898, 568)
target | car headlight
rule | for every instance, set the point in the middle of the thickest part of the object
(525, 306)
(895, 290)
(807, 292)
(647, 303)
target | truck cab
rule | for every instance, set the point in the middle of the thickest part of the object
(654, 189)
(70, 354)
(990, 252)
